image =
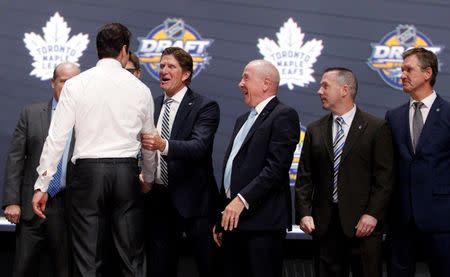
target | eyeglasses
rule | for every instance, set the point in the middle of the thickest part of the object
(131, 70)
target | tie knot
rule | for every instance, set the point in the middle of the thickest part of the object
(168, 101)
(253, 112)
(339, 120)
(418, 105)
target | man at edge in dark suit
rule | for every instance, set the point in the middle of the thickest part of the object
(255, 190)
(421, 201)
(344, 183)
(184, 196)
(23, 158)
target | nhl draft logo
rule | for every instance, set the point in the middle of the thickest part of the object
(386, 58)
(173, 32)
(293, 58)
(54, 48)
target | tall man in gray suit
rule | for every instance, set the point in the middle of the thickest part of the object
(23, 158)
(345, 178)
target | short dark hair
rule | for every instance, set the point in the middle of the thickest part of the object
(110, 40)
(346, 76)
(426, 59)
(135, 61)
(183, 58)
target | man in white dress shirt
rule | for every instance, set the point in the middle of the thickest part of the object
(108, 108)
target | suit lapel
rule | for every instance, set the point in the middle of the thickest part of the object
(46, 116)
(183, 111)
(158, 105)
(264, 113)
(327, 136)
(356, 130)
(433, 116)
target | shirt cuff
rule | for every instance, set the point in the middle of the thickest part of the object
(42, 183)
(243, 201)
(166, 149)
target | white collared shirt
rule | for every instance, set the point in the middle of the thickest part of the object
(108, 108)
(348, 119)
(177, 98)
(425, 110)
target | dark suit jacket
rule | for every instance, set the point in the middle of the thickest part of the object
(423, 189)
(260, 171)
(23, 158)
(192, 184)
(365, 175)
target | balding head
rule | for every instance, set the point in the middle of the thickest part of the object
(63, 72)
(259, 81)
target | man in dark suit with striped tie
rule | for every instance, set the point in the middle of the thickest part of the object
(345, 178)
(23, 158)
(184, 196)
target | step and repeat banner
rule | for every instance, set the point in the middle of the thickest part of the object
(301, 38)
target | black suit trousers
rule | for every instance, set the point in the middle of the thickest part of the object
(253, 253)
(105, 201)
(164, 230)
(335, 253)
(38, 236)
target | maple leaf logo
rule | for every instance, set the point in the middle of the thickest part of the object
(54, 48)
(293, 59)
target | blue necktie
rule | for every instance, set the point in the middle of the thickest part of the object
(55, 185)
(338, 145)
(238, 140)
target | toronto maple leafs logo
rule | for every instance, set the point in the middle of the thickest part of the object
(54, 48)
(293, 59)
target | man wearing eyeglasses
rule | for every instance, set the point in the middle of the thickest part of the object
(133, 66)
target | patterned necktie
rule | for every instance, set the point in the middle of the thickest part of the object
(238, 140)
(165, 134)
(55, 184)
(417, 123)
(338, 145)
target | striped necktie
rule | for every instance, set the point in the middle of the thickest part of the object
(338, 145)
(55, 184)
(165, 134)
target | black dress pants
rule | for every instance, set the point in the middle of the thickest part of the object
(37, 236)
(336, 253)
(253, 253)
(164, 231)
(105, 201)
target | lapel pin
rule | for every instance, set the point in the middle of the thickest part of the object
(359, 127)
(190, 103)
(438, 110)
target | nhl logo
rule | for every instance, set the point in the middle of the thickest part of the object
(174, 28)
(406, 34)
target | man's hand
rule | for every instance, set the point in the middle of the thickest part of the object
(145, 187)
(12, 213)
(307, 224)
(365, 226)
(38, 202)
(153, 141)
(230, 216)
(217, 237)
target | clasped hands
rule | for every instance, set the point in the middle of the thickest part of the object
(230, 218)
(153, 141)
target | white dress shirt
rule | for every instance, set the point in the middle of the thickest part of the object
(177, 98)
(348, 119)
(108, 108)
(425, 110)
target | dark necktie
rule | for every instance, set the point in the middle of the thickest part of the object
(417, 123)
